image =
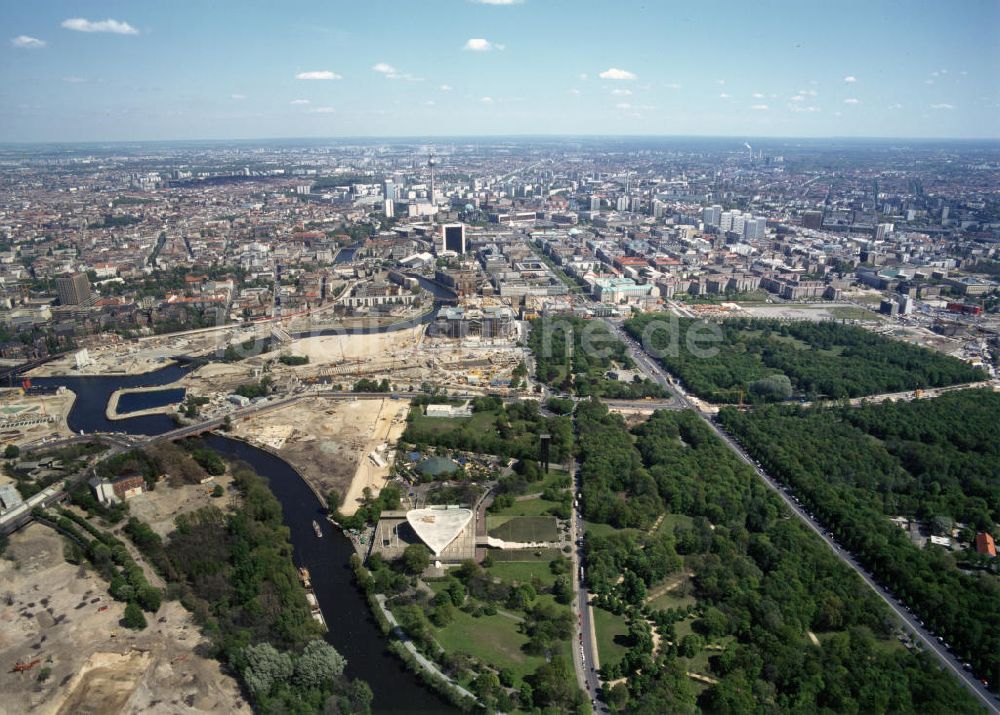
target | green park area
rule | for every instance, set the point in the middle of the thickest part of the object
(696, 570)
(523, 529)
(768, 360)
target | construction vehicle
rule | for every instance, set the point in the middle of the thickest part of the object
(20, 667)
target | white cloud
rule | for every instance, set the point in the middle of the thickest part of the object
(574, 91)
(928, 81)
(114, 26)
(28, 42)
(757, 95)
(486, 100)
(760, 107)
(318, 74)
(238, 96)
(720, 81)
(850, 78)
(73, 79)
(391, 72)
(623, 105)
(616, 74)
(852, 100)
(672, 85)
(808, 92)
(797, 98)
(800, 108)
(300, 101)
(323, 110)
(445, 87)
(895, 106)
(583, 76)
(429, 103)
(942, 106)
(478, 44)
(723, 96)
(621, 92)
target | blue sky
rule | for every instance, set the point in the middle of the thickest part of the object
(77, 70)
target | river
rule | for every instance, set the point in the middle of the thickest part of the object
(352, 629)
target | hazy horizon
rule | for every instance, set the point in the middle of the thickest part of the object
(118, 71)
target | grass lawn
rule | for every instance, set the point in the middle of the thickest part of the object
(604, 529)
(668, 600)
(671, 521)
(493, 639)
(528, 507)
(523, 572)
(557, 477)
(480, 421)
(611, 633)
(524, 529)
(852, 312)
(529, 555)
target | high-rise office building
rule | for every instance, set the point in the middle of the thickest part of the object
(389, 190)
(453, 237)
(621, 204)
(726, 221)
(739, 221)
(711, 215)
(595, 203)
(753, 229)
(73, 288)
(390, 208)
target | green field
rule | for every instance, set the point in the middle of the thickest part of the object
(523, 528)
(611, 634)
(672, 521)
(533, 555)
(851, 312)
(594, 529)
(528, 507)
(523, 572)
(668, 600)
(480, 421)
(493, 639)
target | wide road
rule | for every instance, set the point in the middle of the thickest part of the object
(584, 656)
(931, 642)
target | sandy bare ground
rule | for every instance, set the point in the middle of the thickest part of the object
(342, 348)
(50, 610)
(161, 507)
(328, 441)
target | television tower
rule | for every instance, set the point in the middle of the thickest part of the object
(431, 163)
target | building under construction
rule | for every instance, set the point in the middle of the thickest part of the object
(491, 323)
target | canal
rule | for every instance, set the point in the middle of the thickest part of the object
(352, 629)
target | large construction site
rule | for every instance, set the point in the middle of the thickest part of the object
(63, 651)
(335, 444)
(29, 416)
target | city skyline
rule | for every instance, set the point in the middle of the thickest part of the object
(118, 71)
